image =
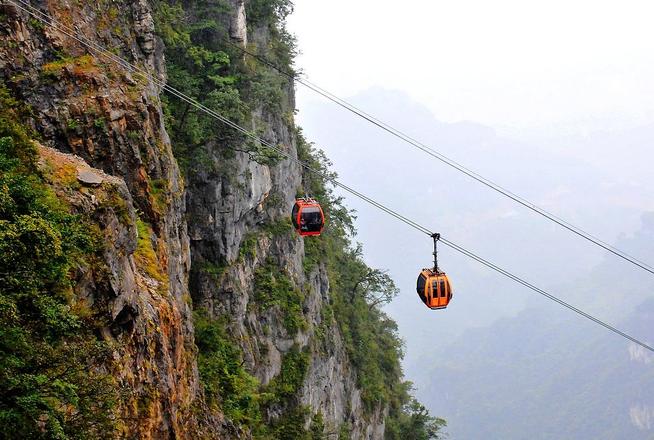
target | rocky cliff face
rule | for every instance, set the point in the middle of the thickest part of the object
(224, 215)
(168, 244)
(87, 106)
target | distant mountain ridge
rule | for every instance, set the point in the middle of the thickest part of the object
(547, 374)
(502, 362)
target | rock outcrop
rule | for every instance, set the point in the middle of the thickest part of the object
(112, 120)
(102, 128)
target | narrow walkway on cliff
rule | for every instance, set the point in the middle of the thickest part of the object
(96, 49)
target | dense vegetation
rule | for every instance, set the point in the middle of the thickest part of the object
(226, 383)
(48, 386)
(371, 337)
(203, 63)
(51, 385)
(239, 395)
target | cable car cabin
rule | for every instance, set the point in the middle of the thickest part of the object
(434, 289)
(433, 285)
(308, 218)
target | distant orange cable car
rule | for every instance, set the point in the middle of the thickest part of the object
(433, 286)
(307, 216)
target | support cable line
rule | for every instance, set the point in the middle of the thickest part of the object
(97, 49)
(447, 161)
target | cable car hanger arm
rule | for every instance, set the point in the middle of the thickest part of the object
(436, 236)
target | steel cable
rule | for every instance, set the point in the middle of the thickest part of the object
(48, 20)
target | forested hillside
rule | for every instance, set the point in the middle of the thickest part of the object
(152, 285)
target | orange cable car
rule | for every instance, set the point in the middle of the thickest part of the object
(433, 285)
(307, 216)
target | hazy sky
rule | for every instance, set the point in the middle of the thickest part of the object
(506, 63)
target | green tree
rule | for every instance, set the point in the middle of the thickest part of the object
(412, 421)
(227, 384)
(375, 286)
(197, 44)
(200, 66)
(50, 383)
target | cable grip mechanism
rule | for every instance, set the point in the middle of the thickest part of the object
(436, 236)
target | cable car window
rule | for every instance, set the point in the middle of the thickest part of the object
(311, 219)
(420, 287)
(421, 284)
(442, 288)
(434, 286)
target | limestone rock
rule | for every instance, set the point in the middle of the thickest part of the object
(105, 143)
(103, 128)
(89, 177)
(238, 23)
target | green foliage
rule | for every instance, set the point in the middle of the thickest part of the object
(215, 271)
(77, 66)
(36, 24)
(375, 350)
(344, 432)
(72, 124)
(287, 383)
(100, 123)
(229, 387)
(291, 425)
(373, 285)
(273, 288)
(271, 15)
(160, 194)
(170, 24)
(203, 64)
(317, 427)
(279, 228)
(199, 66)
(270, 12)
(266, 87)
(248, 249)
(227, 384)
(262, 154)
(48, 386)
(145, 256)
(116, 203)
(371, 338)
(411, 421)
(313, 253)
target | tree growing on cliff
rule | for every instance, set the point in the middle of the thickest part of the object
(412, 421)
(49, 387)
(375, 286)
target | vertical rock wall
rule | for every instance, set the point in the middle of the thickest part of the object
(112, 121)
(222, 214)
(160, 233)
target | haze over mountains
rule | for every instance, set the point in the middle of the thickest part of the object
(550, 375)
(598, 181)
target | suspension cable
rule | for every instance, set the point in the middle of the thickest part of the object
(98, 49)
(447, 161)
